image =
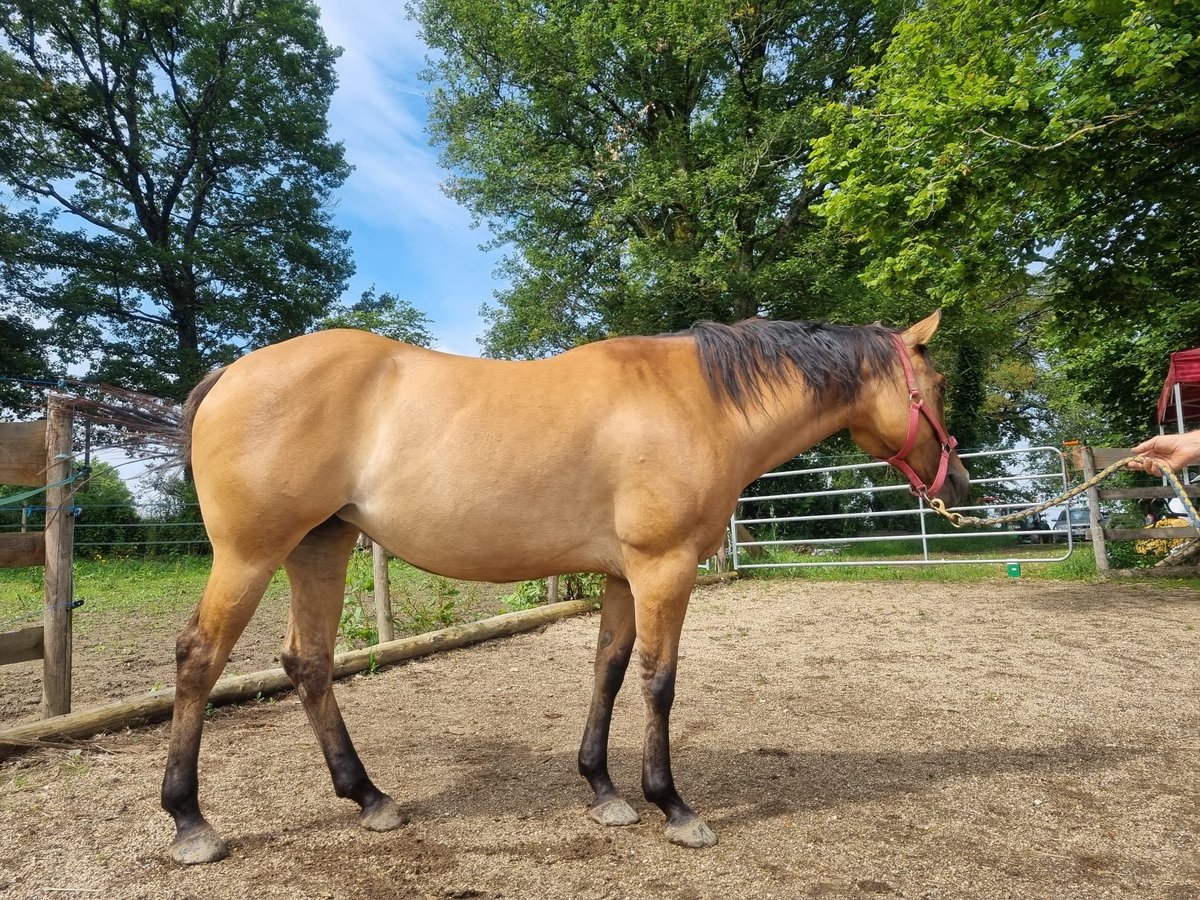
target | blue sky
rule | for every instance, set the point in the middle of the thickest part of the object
(407, 236)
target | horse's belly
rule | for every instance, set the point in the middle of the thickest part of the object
(483, 545)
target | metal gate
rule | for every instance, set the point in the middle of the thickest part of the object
(1022, 478)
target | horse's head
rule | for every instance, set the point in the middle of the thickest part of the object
(901, 421)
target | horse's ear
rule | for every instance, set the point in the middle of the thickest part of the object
(922, 332)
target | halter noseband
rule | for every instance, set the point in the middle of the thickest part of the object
(916, 409)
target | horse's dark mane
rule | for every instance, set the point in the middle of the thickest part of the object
(744, 360)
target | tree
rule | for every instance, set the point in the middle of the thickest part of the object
(107, 514)
(168, 169)
(384, 314)
(21, 350)
(648, 162)
(22, 343)
(1040, 158)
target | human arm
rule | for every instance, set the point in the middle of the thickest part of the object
(1168, 451)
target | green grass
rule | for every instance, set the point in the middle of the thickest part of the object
(173, 585)
(142, 585)
(1080, 566)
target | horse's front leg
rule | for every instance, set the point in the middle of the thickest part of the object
(613, 649)
(660, 602)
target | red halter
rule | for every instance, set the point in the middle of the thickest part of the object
(917, 409)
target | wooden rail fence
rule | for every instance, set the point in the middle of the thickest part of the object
(38, 454)
(1093, 460)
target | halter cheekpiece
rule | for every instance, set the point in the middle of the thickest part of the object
(916, 409)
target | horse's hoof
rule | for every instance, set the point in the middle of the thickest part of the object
(383, 816)
(201, 846)
(693, 833)
(613, 812)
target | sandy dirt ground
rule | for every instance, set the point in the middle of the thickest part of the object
(1009, 739)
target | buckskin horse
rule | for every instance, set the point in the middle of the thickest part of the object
(624, 457)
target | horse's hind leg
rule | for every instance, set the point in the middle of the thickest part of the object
(232, 594)
(317, 572)
(613, 649)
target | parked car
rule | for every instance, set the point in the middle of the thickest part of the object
(1080, 524)
(1038, 524)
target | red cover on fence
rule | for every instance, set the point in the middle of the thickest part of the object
(1185, 372)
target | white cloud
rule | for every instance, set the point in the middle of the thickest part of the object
(407, 235)
(378, 112)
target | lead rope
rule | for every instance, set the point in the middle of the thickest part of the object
(958, 520)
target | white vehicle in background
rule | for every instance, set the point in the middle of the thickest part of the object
(1080, 524)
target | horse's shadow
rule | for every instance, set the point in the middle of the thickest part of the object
(498, 777)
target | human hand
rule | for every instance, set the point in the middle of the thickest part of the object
(1168, 451)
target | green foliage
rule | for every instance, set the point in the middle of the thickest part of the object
(135, 587)
(421, 601)
(426, 602)
(580, 586)
(173, 524)
(1041, 159)
(107, 514)
(650, 165)
(356, 626)
(168, 169)
(648, 161)
(1079, 566)
(384, 314)
(576, 586)
(526, 595)
(21, 349)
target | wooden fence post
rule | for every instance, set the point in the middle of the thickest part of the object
(60, 536)
(552, 589)
(1099, 545)
(383, 593)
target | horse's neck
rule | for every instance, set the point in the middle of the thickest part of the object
(788, 422)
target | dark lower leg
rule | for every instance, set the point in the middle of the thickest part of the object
(312, 676)
(317, 571)
(658, 785)
(199, 661)
(613, 649)
(662, 596)
(180, 787)
(593, 750)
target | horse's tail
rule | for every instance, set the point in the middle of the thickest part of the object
(188, 418)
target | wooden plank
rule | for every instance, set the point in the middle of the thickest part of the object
(21, 646)
(28, 549)
(23, 453)
(1140, 534)
(1147, 493)
(60, 543)
(157, 705)
(1103, 457)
